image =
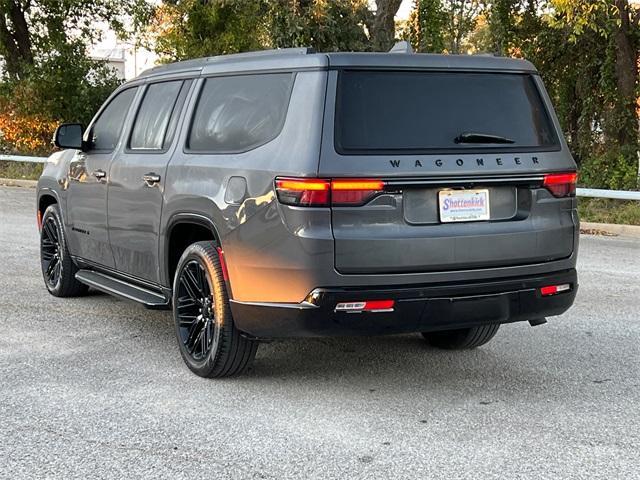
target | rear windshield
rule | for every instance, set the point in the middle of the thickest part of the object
(424, 111)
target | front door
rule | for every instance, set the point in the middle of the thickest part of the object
(136, 180)
(86, 222)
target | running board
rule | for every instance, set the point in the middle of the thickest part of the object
(122, 289)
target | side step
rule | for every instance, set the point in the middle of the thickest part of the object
(120, 288)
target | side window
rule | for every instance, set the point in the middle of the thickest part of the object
(150, 127)
(106, 130)
(240, 113)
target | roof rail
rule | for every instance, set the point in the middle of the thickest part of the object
(264, 53)
(401, 47)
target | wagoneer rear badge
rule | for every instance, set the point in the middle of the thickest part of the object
(500, 161)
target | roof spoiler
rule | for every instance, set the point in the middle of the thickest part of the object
(401, 47)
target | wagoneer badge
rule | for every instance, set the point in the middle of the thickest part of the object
(500, 161)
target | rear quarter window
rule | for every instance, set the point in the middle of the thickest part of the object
(407, 112)
(239, 113)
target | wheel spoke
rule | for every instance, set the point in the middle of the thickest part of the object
(57, 271)
(193, 335)
(202, 279)
(191, 284)
(186, 321)
(51, 231)
(197, 285)
(190, 291)
(186, 302)
(203, 340)
(50, 268)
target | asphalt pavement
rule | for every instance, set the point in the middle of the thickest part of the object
(94, 387)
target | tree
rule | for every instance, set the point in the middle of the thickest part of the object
(382, 25)
(427, 26)
(47, 75)
(607, 33)
(502, 21)
(326, 26)
(196, 28)
(15, 42)
(443, 25)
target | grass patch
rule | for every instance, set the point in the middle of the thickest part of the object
(20, 170)
(606, 210)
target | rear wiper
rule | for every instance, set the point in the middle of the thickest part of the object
(475, 137)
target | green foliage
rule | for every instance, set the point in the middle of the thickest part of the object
(324, 25)
(439, 26)
(49, 77)
(604, 210)
(615, 169)
(576, 47)
(21, 170)
(65, 86)
(427, 26)
(192, 28)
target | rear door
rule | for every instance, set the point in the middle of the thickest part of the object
(462, 158)
(137, 178)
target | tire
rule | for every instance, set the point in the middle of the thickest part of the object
(462, 339)
(58, 269)
(209, 342)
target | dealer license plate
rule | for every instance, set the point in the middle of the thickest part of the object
(463, 205)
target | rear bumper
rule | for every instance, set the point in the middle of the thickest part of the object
(417, 308)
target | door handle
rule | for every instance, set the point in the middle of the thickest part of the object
(99, 174)
(150, 179)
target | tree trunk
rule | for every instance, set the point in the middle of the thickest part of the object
(383, 27)
(626, 71)
(15, 43)
(626, 77)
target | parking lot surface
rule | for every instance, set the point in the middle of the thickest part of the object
(95, 387)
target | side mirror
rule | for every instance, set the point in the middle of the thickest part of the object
(69, 135)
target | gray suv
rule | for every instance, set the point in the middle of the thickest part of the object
(292, 193)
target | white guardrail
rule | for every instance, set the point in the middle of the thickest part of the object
(20, 158)
(581, 192)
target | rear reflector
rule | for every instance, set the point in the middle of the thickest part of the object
(318, 192)
(223, 264)
(561, 184)
(554, 289)
(366, 306)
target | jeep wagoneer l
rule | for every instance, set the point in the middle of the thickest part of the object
(292, 193)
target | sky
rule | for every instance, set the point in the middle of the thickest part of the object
(405, 9)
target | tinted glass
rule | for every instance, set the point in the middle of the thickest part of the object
(106, 130)
(151, 123)
(239, 113)
(428, 110)
(175, 116)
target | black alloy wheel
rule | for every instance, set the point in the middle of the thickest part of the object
(58, 269)
(209, 342)
(196, 311)
(51, 256)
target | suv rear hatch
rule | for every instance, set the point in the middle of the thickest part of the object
(453, 170)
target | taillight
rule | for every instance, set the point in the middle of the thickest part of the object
(354, 192)
(561, 184)
(303, 192)
(317, 192)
